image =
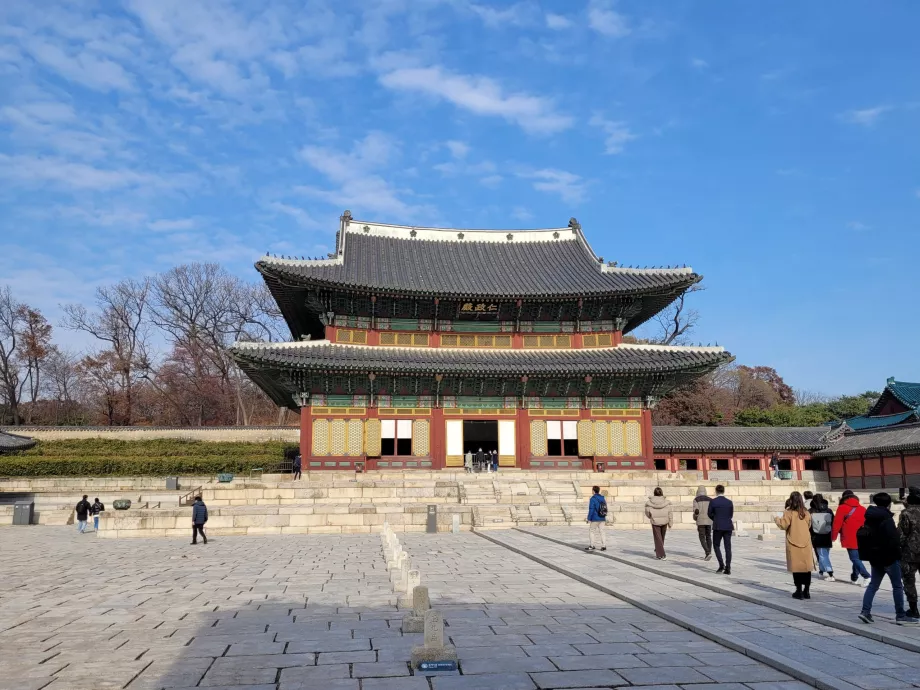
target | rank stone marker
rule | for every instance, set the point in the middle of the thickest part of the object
(414, 621)
(766, 534)
(434, 656)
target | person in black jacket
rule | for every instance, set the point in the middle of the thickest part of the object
(199, 517)
(82, 510)
(880, 544)
(721, 511)
(97, 509)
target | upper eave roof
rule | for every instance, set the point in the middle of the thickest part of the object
(739, 438)
(620, 360)
(448, 262)
(894, 439)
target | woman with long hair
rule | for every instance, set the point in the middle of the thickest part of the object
(800, 559)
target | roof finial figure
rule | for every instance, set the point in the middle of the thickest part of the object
(574, 224)
(346, 216)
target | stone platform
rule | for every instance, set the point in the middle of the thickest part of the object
(339, 503)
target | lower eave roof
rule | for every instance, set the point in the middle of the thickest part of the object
(905, 437)
(626, 359)
(739, 438)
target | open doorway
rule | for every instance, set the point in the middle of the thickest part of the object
(480, 433)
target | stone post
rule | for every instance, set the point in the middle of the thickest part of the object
(766, 534)
(739, 529)
(414, 621)
(455, 523)
(434, 655)
(413, 580)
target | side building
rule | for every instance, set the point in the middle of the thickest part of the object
(414, 346)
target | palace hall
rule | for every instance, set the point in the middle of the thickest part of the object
(412, 347)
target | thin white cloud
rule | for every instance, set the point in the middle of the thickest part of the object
(866, 117)
(558, 22)
(519, 14)
(173, 224)
(698, 63)
(616, 133)
(858, 226)
(570, 187)
(41, 170)
(80, 65)
(356, 177)
(607, 21)
(458, 149)
(300, 216)
(482, 96)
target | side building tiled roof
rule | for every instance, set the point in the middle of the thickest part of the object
(473, 263)
(10, 443)
(866, 422)
(895, 439)
(905, 392)
(738, 438)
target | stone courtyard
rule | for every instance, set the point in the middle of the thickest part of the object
(524, 609)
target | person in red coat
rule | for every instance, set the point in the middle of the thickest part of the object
(849, 518)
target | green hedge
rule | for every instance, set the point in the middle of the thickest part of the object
(158, 457)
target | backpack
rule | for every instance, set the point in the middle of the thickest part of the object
(822, 523)
(602, 509)
(868, 546)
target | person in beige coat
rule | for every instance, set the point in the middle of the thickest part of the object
(800, 556)
(659, 513)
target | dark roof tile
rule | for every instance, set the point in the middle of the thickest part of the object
(732, 438)
(895, 439)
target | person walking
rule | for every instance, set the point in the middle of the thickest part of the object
(800, 560)
(495, 461)
(721, 512)
(880, 544)
(82, 509)
(909, 527)
(298, 467)
(774, 466)
(199, 518)
(822, 522)
(658, 511)
(849, 518)
(97, 509)
(597, 519)
(468, 462)
(703, 522)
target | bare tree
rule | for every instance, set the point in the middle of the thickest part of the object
(10, 368)
(120, 321)
(677, 320)
(33, 348)
(61, 384)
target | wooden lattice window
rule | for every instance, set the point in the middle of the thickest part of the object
(496, 341)
(392, 339)
(353, 337)
(536, 342)
(598, 340)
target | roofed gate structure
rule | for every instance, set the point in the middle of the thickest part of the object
(413, 346)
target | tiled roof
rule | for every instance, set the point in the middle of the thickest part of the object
(14, 442)
(623, 359)
(867, 422)
(905, 392)
(473, 263)
(891, 439)
(732, 438)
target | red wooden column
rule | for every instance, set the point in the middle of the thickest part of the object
(522, 438)
(648, 443)
(438, 439)
(306, 434)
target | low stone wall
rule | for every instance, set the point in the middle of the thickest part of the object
(293, 519)
(251, 434)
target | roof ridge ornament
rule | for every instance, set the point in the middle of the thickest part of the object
(509, 237)
(460, 235)
(574, 224)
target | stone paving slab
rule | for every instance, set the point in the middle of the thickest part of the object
(318, 613)
(790, 645)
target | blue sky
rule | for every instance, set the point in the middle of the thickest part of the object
(773, 147)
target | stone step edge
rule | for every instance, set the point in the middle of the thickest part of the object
(793, 668)
(868, 631)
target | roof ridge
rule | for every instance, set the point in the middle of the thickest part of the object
(673, 348)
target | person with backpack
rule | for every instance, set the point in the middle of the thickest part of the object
(597, 518)
(703, 521)
(97, 509)
(880, 544)
(774, 466)
(796, 523)
(82, 510)
(659, 513)
(297, 467)
(909, 527)
(848, 519)
(822, 522)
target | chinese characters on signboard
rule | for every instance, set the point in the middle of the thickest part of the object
(478, 308)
